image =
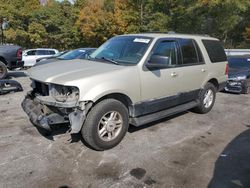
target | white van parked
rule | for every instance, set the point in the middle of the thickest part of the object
(29, 56)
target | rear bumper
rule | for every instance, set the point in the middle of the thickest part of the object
(15, 64)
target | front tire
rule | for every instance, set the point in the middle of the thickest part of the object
(206, 99)
(3, 70)
(106, 124)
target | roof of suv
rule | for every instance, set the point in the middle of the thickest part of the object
(173, 35)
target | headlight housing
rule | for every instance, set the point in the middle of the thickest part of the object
(64, 93)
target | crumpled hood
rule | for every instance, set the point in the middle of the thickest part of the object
(238, 72)
(61, 72)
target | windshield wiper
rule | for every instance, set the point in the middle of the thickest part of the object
(110, 60)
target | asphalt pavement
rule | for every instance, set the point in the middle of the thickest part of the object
(187, 150)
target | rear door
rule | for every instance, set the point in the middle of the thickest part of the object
(192, 71)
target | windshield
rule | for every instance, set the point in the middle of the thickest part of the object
(73, 54)
(123, 49)
(235, 62)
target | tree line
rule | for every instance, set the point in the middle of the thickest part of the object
(64, 25)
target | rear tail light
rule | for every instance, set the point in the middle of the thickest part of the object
(227, 69)
(19, 54)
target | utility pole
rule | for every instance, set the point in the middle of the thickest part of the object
(2, 34)
(4, 26)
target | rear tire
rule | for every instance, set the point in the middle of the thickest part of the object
(206, 99)
(106, 125)
(3, 70)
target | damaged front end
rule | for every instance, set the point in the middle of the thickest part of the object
(50, 104)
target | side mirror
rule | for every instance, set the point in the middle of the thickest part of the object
(156, 62)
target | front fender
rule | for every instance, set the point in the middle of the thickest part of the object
(103, 89)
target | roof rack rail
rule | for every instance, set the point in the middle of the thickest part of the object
(173, 32)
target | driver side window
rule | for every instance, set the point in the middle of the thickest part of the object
(167, 49)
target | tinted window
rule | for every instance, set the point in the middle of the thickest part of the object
(51, 52)
(198, 50)
(31, 52)
(188, 50)
(215, 50)
(42, 52)
(167, 49)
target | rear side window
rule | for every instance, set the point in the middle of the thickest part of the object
(215, 51)
(42, 52)
(188, 50)
(51, 52)
(198, 50)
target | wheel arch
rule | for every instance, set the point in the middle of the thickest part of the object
(215, 82)
(3, 60)
(118, 96)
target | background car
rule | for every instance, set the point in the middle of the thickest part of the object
(80, 53)
(51, 57)
(30, 55)
(239, 74)
(10, 58)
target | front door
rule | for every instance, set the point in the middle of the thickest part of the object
(159, 87)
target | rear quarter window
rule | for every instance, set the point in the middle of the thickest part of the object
(51, 52)
(42, 52)
(215, 51)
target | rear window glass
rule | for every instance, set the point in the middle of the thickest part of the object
(215, 50)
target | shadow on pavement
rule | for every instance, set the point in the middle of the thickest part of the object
(229, 93)
(56, 130)
(62, 129)
(232, 168)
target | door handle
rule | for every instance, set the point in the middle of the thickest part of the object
(203, 70)
(174, 74)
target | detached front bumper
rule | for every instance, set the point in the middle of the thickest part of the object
(44, 113)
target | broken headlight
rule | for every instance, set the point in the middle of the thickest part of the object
(64, 93)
